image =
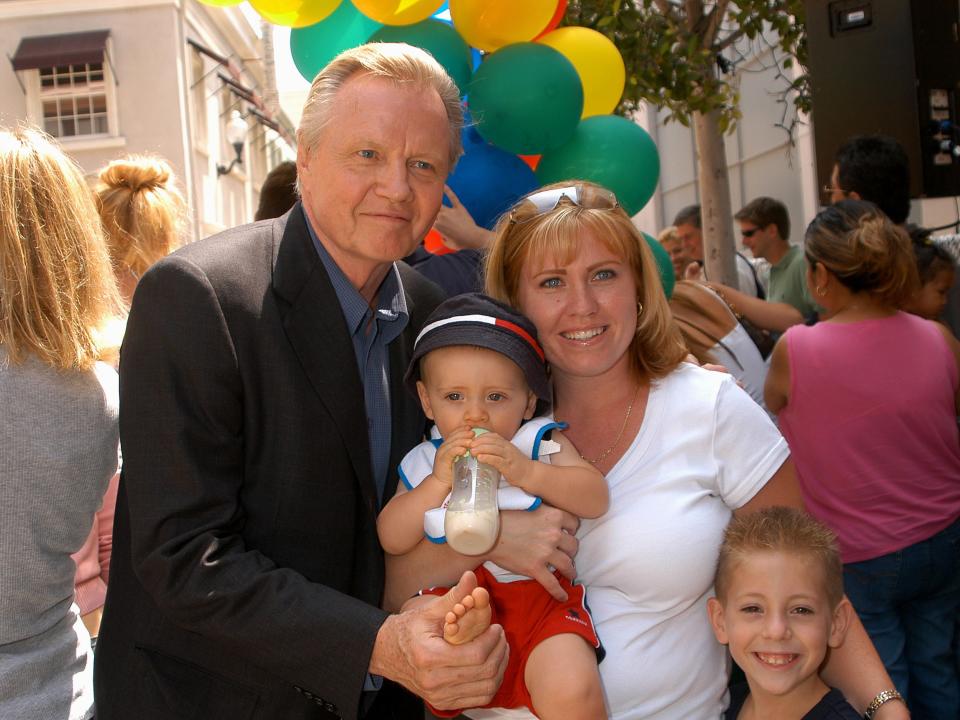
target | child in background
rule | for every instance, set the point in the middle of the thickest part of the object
(477, 363)
(937, 272)
(779, 605)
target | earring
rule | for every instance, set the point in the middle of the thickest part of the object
(821, 291)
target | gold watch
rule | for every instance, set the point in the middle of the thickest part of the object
(882, 697)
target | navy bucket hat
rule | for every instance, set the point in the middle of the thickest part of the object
(481, 321)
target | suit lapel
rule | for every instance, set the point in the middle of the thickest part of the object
(317, 331)
(404, 407)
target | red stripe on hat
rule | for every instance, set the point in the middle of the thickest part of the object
(524, 334)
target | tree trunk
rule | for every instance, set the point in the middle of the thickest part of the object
(719, 249)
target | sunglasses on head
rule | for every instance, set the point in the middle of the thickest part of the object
(585, 196)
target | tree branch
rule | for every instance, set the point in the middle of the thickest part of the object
(694, 11)
(714, 18)
(729, 40)
(667, 9)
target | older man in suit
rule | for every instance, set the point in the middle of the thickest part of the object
(263, 416)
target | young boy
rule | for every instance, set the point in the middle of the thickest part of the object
(779, 605)
(477, 364)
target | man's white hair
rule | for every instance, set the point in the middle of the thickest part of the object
(398, 62)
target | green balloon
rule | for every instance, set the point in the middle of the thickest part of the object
(664, 264)
(437, 38)
(313, 46)
(610, 151)
(526, 98)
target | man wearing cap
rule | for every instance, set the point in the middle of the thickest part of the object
(263, 415)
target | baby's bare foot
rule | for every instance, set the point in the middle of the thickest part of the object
(469, 618)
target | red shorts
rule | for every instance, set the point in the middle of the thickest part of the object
(529, 615)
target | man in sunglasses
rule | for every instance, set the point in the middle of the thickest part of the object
(765, 229)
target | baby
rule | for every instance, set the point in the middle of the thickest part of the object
(477, 364)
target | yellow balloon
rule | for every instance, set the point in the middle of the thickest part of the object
(491, 24)
(295, 13)
(598, 63)
(398, 12)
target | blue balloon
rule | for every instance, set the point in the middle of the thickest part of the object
(489, 180)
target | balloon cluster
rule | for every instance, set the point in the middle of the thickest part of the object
(540, 96)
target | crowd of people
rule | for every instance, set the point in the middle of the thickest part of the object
(268, 544)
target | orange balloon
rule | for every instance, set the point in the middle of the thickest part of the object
(433, 243)
(531, 160)
(491, 24)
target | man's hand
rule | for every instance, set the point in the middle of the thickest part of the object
(693, 271)
(535, 543)
(503, 455)
(410, 650)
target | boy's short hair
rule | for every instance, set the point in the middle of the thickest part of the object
(764, 211)
(480, 321)
(780, 529)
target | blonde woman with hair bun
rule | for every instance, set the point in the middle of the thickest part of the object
(868, 401)
(143, 215)
(58, 431)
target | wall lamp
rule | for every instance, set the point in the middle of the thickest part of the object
(236, 132)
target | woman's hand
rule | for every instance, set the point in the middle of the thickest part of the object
(534, 543)
(458, 227)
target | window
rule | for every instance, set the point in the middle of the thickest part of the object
(70, 87)
(198, 89)
(73, 99)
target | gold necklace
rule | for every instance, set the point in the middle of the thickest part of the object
(602, 456)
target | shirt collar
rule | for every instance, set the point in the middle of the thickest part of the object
(391, 300)
(785, 260)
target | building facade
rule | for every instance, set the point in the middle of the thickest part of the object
(762, 158)
(110, 78)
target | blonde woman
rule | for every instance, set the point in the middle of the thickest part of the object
(58, 432)
(683, 450)
(143, 215)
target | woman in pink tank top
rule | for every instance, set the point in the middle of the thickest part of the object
(868, 403)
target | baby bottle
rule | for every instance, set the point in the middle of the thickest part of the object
(472, 520)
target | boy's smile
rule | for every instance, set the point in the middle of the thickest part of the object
(778, 623)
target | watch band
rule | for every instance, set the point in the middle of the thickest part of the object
(882, 697)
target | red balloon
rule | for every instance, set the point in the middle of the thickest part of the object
(433, 243)
(531, 160)
(554, 21)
